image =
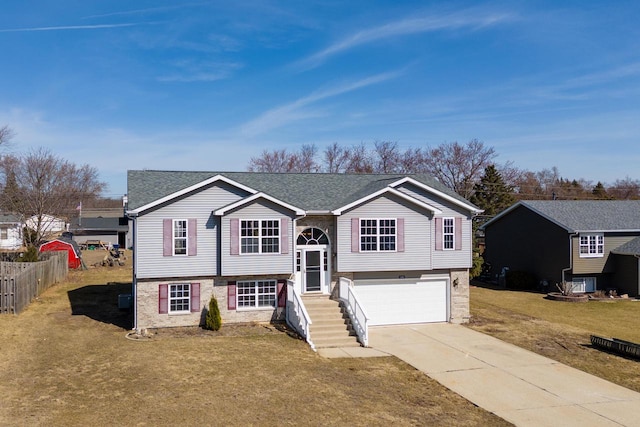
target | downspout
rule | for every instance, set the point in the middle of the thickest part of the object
(638, 258)
(564, 270)
(134, 302)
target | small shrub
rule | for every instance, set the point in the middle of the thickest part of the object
(565, 288)
(30, 255)
(213, 321)
(520, 280)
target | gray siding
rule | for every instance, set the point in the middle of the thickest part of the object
(151, 263)
(417, 237)
(446, 259)
(255, 264)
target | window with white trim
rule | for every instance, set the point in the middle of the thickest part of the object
(256, 294)
(180, 237)
(180, 298)
(591, 245)
(448, 233)
(4, 233)
(377, 235)
(260, 236)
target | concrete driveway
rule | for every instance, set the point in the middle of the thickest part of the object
(515, 384)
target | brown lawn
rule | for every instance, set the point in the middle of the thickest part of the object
(66, 361)
(561, 330)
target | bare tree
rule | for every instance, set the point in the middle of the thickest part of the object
(387, 157)
(305, 159)
(359, 160)
(6, 134)
(459, 166)
(336, 158)
(39, 184)
(625, 189)
(271, 161)
(412, 161)
(284, 161)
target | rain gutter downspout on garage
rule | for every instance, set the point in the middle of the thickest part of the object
(564, 270)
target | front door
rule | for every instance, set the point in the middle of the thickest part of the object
(313, 272)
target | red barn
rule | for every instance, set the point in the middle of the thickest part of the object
(75, 260)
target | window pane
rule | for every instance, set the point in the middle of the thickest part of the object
(179, 297)
(260, 293)
(180, 237)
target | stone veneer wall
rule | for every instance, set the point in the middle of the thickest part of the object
(149, 318)
(459, 296)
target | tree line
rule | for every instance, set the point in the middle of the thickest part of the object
(469, 169)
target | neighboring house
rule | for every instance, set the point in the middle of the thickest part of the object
(106, 225)
(49, 224)
(592, 243)
(10, 232)
(259, 241)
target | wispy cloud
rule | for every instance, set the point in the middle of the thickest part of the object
(68, 27)
(145, 11)
(287, 113)
(192, 71)
(471, 19)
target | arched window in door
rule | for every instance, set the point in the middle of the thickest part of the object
(312, 236)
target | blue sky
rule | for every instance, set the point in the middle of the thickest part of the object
(205, 85)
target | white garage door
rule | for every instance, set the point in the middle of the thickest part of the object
(403, 302)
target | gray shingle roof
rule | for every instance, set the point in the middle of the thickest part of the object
(308, 191)
(590, 215)
(630, 248)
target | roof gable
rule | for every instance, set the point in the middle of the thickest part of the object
(254, 197)
(311, 192)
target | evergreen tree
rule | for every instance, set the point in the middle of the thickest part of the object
(599, 192)
(491, 193)
(213, 321)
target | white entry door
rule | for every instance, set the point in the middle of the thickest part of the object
(399, 302)
(313, 269)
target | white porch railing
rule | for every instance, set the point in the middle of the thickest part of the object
(296, 314)
(358, 316)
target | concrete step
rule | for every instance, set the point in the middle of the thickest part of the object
(322, 342)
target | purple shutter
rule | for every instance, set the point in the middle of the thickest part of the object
(192, 237)
(355, 234)
(234, 245)
(400, 234)
(282, 293)
(163, 299)
(284, 236)
(438, 222)
(231, 295)
(195, 297)
(458, 234)
(167, 237)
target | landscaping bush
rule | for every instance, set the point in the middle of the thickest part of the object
(30, 255)
(520, 280)
(213, 321)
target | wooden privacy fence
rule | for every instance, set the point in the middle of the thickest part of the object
(21, 282)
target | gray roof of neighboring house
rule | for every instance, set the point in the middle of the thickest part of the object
(632, 247)
(585, 215)
(308, 191)
(98, 224)
(8, 218)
